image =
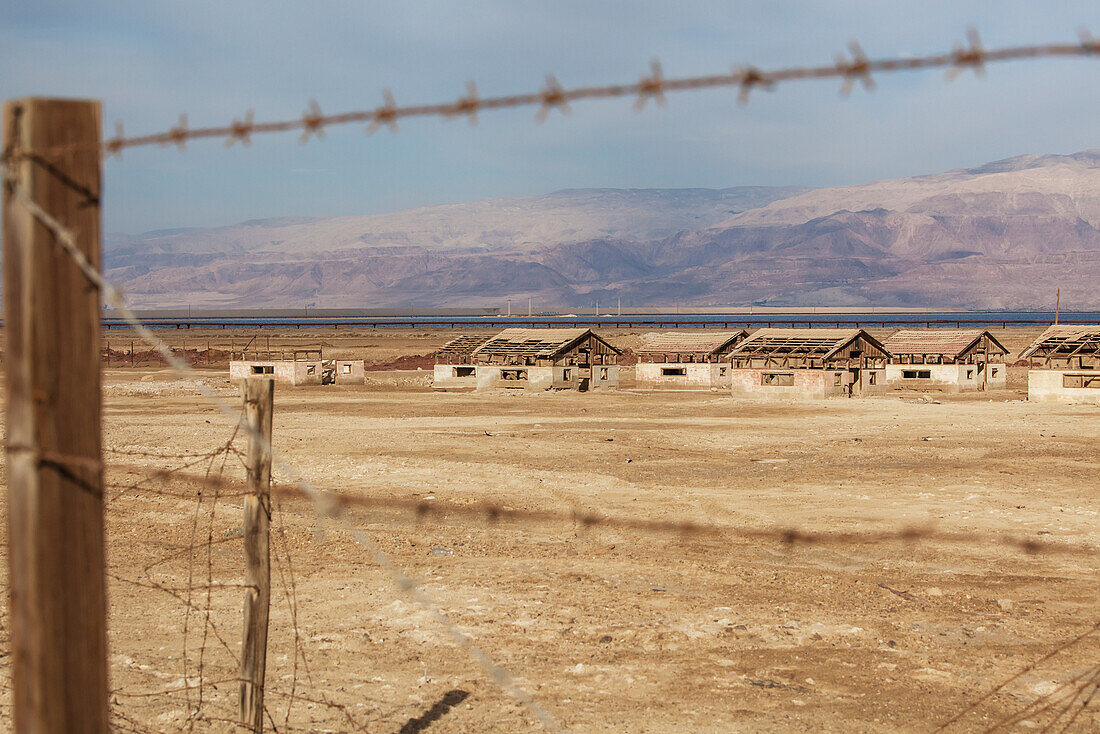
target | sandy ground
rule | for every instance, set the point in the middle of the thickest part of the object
(607, 628)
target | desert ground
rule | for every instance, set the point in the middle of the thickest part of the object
(610, 627)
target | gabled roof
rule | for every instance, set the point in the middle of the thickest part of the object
(465, 345)
(1065, 341)
(536, 342)
(681, 342)
(815, 343)
(948, 342)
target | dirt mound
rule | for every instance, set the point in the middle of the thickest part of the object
(628, 358)
(405, 362)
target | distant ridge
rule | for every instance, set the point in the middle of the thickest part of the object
(1002, 235)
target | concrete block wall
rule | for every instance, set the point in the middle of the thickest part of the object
(285, 372)
(538, 378)
(697, 375)
(489, 377)
(808, 384)
(445, 377)
(604, 376)
(947, 377)
(1047, 386)
(350, 372)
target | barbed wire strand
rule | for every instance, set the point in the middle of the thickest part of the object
(1016, 676)
(1063, 696)
(492, 512)
(852, 69)
(1064, 709)
(324, 505)
(183, 593)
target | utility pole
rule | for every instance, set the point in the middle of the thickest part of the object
(1057, 305)
(57, 597)
(528, 306)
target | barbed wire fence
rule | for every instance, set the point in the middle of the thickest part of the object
(856, 68)
(207, 658)
(182, 674)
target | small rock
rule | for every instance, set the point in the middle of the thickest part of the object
(605, 639)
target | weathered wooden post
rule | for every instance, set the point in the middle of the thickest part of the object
(55, 471)
(258, 403)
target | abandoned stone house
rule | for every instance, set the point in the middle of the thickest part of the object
(952, 360)
(808, 363)
(533, 359)
(1064, 365)
(454, 362)
(685, 360)
(296, 367)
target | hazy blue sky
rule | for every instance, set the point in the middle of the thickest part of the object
(149, 60)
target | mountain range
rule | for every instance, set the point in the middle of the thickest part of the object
(1002, 235)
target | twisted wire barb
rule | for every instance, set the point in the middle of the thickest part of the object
(1016, 676)
(857, 68)
(491, 513)
(324, 505)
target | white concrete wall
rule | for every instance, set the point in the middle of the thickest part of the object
(808, 384)
(998, 376)
(601, 382)
(286, 372)
(538, 378)
(444, 378)
(1046, 386)
(948, 377)
(698, 375)
(350, 372)
(545, 378)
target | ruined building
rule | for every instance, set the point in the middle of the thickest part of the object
(686, 360)
(530, 359)
(296, 367)
(947, 359)
(1064, 365)
(808, 363)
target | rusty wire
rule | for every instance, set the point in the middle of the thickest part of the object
(495, 513)
(854, 68)
(324, 505)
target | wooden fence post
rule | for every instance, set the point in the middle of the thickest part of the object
(55, 471)
(258, 404)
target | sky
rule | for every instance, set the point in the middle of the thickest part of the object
(150, 61)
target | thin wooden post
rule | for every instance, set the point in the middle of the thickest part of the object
(258, 404)
(55, 472)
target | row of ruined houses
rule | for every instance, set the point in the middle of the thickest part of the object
(1064, 362)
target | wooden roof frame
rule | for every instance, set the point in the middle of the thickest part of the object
(802, 343)
(548, 350)
(736, 337)
(982, 333)
(1055, 338)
